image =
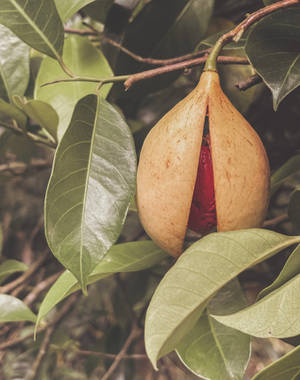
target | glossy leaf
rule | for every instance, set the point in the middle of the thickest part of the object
(294, 209)
(275, 315)
(42, 113)
(126, 257)
(12, 112)
(84, 60)
(290, 270)
(91, 185)
(212, 350)
(198, 274)
(68, 8)
(291, 167)
(14, 310)
(36, 22)
(192, 23)
(272, 48)
(99, 9)
(14, 64)
(9, 267)
(287, 367)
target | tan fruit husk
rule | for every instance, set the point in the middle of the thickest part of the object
(169, 160)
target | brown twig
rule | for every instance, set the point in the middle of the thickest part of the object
(61, 313)
(20, 168)
(236, 33)
(48, 335)
(110, 356)
(81, 32)
(10, 286)
(136, 57)
(135, 332)
(275, 221)
(41, 354)
(180, 66)
(31, 297)
(249, 82)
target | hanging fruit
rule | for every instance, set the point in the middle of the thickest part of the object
(188, 180)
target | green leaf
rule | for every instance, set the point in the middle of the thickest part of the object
(12, 112)
(36, 22)
(287, 367)
(290, 270)
(291, 167)
(84, 60)
(192, 23)
(68, 8)
(273, 50)
(14, 64)
(91, 185)
(198, 274)
(212, 350)
(42, 113)
(275, 315)
(99, 9)
(9, 267)
(14, 310)
(294, 208)
(126, 257)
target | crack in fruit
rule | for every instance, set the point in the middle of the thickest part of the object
(203, 208)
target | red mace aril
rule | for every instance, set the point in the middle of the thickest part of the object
(203, 208)
(179, 185)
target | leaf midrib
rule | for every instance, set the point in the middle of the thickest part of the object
(206, 299)
(34, 26)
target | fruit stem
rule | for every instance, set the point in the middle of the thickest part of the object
(211, 62)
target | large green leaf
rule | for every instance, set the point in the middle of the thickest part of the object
(291, 167)
(290, 270)
(294, 209)
(192, 23)
(286, 368)
(9, 267)
(273, 50)
(84, 60)
(212, 350)
(275, 315)
(36, 22)
(126, 257)
(199, 273)
(91, 185)
(42, 113)
(14, 310)
(67, 8)
(14, 64)
(99, 9)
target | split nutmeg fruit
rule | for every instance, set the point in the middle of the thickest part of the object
(195, 177)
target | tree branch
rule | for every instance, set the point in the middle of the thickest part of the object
(180, 66)
(136, 57)
(7, 288)
(249, 82)
(135, 332)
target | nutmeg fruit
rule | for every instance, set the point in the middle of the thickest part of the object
(235, 180)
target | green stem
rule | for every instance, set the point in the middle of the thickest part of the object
(211, 62)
